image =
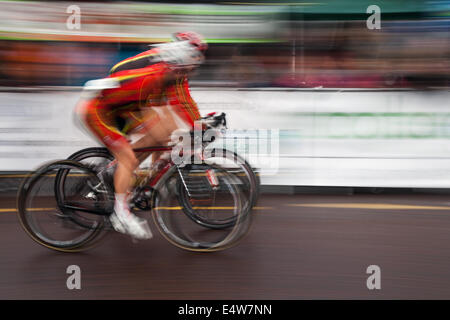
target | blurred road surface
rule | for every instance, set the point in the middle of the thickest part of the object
(300, 247)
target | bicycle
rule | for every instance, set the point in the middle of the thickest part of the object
(84, 200)
(102, 159)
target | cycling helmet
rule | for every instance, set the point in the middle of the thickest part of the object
(193, 38)
(186, 50)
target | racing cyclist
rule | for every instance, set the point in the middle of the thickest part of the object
(150, 95)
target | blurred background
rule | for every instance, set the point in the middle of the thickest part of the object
(295, 44)
(351, 126)
(348, 104)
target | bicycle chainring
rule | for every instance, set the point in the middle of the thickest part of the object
(142, 198)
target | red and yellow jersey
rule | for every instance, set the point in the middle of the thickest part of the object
(145, 82)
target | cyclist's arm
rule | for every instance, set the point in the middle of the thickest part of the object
(186, 99)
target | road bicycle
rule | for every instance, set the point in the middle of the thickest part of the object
(102, 160)
(199, 205)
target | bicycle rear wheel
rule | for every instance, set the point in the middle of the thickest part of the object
(58, 213)
(98, 159)
(176, 226)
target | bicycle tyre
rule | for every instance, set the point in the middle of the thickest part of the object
(234, 233)
(25, 195)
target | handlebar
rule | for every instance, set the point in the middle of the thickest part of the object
(215, 121)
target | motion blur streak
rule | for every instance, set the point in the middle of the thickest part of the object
(363, 112)
(286, 44)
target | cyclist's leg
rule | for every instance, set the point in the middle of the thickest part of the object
(100, 120)
(156, 127)
(126, 164)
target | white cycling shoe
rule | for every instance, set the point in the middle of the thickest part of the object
(128, 223)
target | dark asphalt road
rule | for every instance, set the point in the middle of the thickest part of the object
(319, 250)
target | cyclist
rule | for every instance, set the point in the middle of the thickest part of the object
(150, 95)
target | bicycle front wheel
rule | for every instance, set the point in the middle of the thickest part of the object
(224, 201)
(238, 169)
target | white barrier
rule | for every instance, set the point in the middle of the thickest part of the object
(326, 138)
